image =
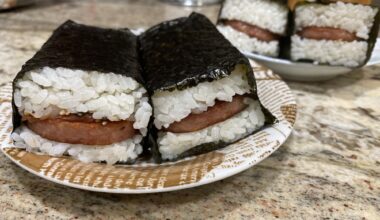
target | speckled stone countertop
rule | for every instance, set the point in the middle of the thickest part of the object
(328, 169)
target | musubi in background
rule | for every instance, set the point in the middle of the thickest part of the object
(335, 33)
(254, 25)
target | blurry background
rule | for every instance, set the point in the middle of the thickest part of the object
(48, 14)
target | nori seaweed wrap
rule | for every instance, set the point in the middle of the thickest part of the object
(341, 33)
(202, 88)
(82, 94)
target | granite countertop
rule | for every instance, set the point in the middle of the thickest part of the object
(328, 169)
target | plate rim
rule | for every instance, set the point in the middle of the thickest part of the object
(202, 182)
(373, 60)
(259, 57)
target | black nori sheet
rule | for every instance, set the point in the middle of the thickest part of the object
(373, 36)
(77, 46)
(181, 53)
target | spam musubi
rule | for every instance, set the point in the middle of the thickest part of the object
(82, 95)
(202, 88)
(333, 33)
(254, 25)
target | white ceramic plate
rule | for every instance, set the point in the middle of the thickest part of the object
(299, 71)
(144, 177)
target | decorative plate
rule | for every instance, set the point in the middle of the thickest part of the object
(145, 177)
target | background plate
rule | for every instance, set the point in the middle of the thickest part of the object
(144, 177)
(308, 72)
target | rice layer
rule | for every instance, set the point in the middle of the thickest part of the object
(353, 18)
(246, 43)
(252, 118)
(350, 54)
(267, 14)
(124, 151)
(49, 92)
(171, 106)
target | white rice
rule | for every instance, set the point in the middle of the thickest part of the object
(350, 54)
(172, 106)
(266, 14)
(48, 92)
(124, 151)
(252, 118)
(353, 18)
(246, 43)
